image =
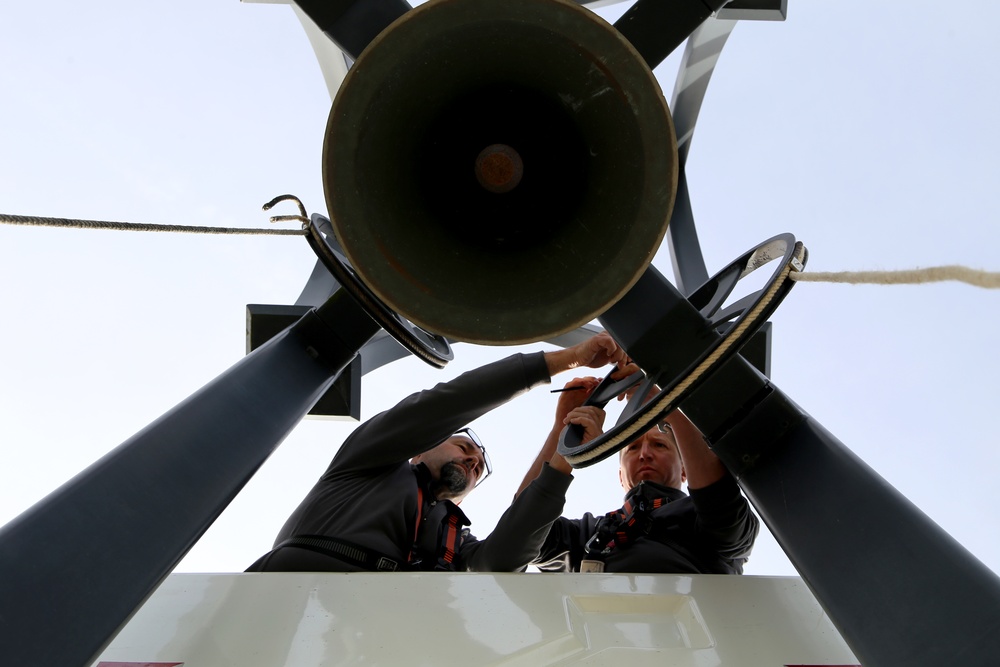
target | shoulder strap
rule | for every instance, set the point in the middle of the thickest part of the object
(622, 527)
(438, 535)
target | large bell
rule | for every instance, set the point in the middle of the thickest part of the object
(500, 171)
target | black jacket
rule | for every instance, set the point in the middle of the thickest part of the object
(709, 532)
(368, 495)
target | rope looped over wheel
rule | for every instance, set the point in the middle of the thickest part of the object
(746, 314)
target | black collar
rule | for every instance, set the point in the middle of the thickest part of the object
(652, 490)
(423, 475)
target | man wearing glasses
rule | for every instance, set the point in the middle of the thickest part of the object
(389, 499)
(661, 529)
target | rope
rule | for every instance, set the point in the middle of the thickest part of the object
(69, 223)
(987, 279)
(976, 277)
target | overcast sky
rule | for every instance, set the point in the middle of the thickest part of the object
(866, 129)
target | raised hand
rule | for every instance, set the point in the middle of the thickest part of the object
(571, 398)
(590, 417)
(595, 352)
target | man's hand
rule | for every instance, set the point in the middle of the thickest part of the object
(571, 399)
(628, 370)
(591, 418)
(595, 352)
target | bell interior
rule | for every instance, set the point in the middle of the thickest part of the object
(589, 211)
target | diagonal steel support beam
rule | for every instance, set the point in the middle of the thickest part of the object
(77, 565)
(898, 587)
(900, 590)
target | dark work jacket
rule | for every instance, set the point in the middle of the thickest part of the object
(710, 531)
(368, 495)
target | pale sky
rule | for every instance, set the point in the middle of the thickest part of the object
(866, 129)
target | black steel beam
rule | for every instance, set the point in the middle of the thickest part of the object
(657, 27)
(343, 399)
(690, 271)
(353, 24)
(77, 565)
(900, 589)
(754, 10)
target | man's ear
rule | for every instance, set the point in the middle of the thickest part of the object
(621, 478)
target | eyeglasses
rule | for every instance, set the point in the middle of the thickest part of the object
(487, 465)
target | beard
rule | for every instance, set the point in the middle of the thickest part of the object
(453, 477)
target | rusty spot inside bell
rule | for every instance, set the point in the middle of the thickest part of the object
(499, 168)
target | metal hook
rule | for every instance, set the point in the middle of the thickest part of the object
(303, 216)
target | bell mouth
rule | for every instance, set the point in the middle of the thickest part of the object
(500, 171)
